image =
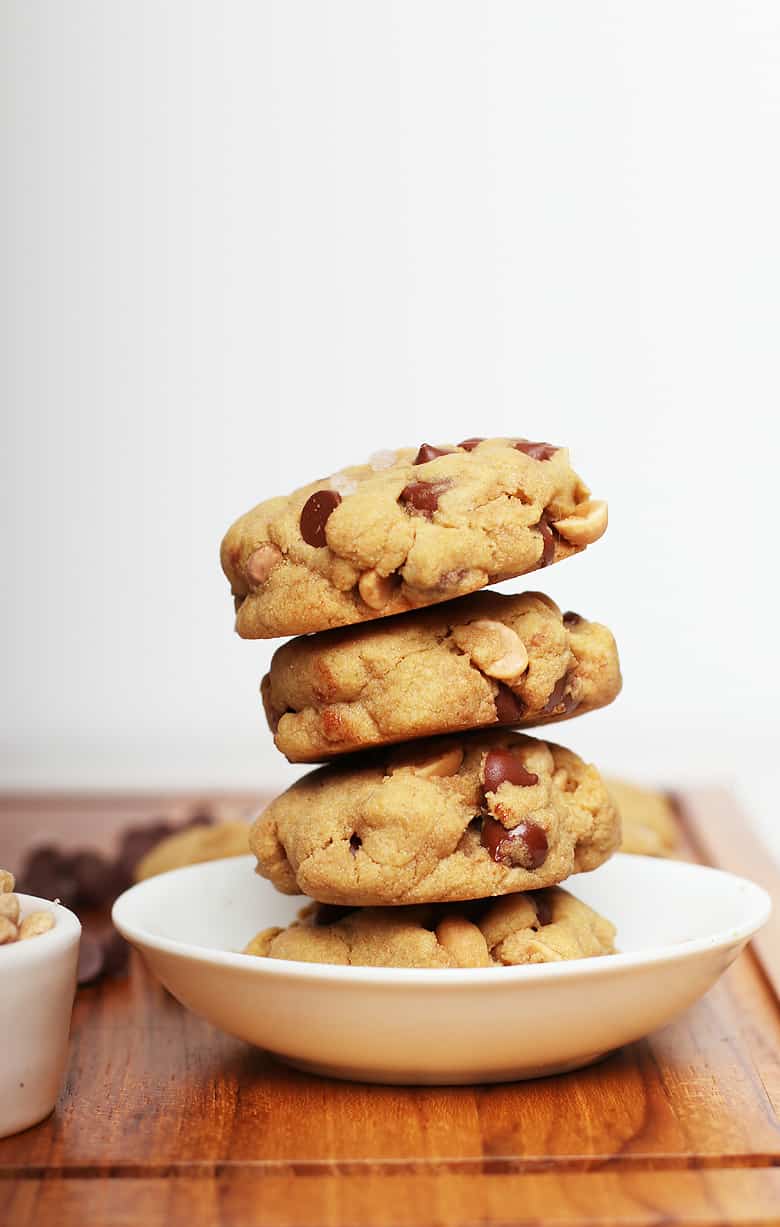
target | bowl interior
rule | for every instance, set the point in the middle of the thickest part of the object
(220, 905)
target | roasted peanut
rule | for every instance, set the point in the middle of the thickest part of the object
(495, 648)
(35, 924)
(261, 563)
(375, 589)
(9, 907)
(587, 523)
(439, 766)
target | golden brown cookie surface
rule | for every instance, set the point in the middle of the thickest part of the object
(481, 660)
(407, 529)
(546, 926)
(448, 819)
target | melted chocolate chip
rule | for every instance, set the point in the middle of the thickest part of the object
(429, 452)
(422, 497)
(548, 540)
(468, 445)
(355, 842)
(560, 703)
(523, 847)
(570, 618)
(543, 907)
(509, 709)
(537, 451)
(315, 514)
(505, 765)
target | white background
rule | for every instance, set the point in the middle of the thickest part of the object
(244, 244)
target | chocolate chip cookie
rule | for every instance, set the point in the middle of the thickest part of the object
(407, 529)
(545, 926)
(649, 824)
(447, 819)
(481, 660)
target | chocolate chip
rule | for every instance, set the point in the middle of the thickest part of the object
(116, 954)
(47, 872)
(524, 846)
(509, 709)
(97, 880)
(505, 765)
(548, 540)
(429, 452)
(422, 497)
(560, 703)
(570, 618)
(537, 451)
(468, 445)
(90, 964)
(355, 842)
(136, 842)
(543, 906)
(315, 514)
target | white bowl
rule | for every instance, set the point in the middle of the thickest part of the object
(679, 927)
(38, 979)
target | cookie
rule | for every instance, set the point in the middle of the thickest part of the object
(649, 824)
(194, 845)
(407, 529)
(453, 818)
(484, 659)
(546, 926)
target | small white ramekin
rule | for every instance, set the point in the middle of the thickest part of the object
(38, 979)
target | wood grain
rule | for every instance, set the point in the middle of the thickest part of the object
(164, 1120)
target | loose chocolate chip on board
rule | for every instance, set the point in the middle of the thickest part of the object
(543, 907)
(524, 846)
(548, 540)
(509, 708)
(537, 451)
(422, 497)
(505, 765)
(429, 452)
(560, 703)
(90, 965)
(315, 514)
(468, 445)
(570, 618)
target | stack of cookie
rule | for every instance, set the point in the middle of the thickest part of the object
(436, 835)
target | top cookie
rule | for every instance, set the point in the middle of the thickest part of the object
(405, 530)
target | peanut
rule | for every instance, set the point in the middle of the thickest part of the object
(7, 882)
(495, 648)
(375, 589)
(261, 563)
(8, 931)
(35, 924)
(463, 941)
(9, 908)
(587, 523)
(438, 766)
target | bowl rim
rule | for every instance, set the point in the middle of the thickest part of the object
(67, 929)
(295, 969)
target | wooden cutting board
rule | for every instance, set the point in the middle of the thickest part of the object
(163, 1120)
